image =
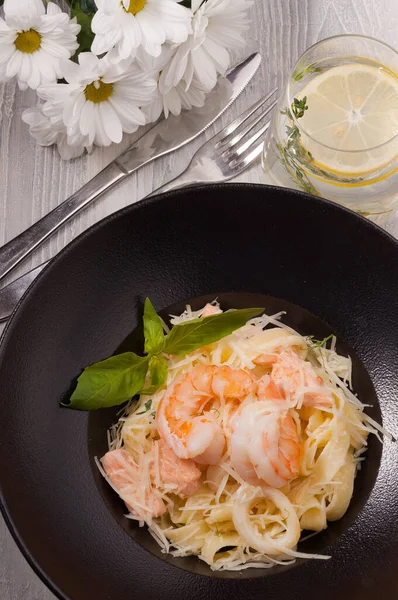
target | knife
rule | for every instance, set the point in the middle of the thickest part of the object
(165, 137)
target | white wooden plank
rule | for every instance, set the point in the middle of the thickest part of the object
(34, 180)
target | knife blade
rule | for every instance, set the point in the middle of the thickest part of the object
(166, 136)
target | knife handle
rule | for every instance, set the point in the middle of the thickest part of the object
(14, 252)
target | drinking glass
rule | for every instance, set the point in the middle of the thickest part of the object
(335, 130)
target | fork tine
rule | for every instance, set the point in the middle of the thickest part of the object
(236, 152)
(242, 164)
(224, 133)
(231, 146)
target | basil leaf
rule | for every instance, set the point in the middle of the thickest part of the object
(153, 329)
(109, 382)
(189, 336)
(149, 391)
(158, 370)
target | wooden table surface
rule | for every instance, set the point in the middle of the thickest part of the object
(34, 180)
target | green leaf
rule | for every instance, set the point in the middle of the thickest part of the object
(84, 10)
(149, 391)
(86, 6)
(153, 329)
(158, 370)
(194, 334)
(109, 382)
(117, 379)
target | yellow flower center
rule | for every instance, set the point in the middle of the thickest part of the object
(28, 41)
(98, 91)
(135, 6)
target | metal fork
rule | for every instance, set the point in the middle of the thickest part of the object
(223, 157)
(228, 153)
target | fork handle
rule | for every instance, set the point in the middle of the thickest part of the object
(14, 252)
(200, 170)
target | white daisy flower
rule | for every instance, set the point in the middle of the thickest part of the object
(217, 26)
(101, 100)
(33, 41)
(174, 99)
(51, 130)
(121, 26)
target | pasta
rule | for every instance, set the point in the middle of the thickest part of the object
(235, 474)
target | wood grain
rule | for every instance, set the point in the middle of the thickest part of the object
(34, 180)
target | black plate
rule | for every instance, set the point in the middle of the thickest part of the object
(208, 241)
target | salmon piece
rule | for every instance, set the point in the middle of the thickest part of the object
(290, 371)
(182, 474)
(289, 374)
(267, 390)
(210, 310)
(124, 475)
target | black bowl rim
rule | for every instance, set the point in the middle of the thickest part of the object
(142, 204)
(153, 198)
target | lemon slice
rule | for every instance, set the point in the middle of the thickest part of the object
(352, 113)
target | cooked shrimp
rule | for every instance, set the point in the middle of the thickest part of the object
(265, 446)
(293, 379)
(124, 475)
(184, 418)
(239, 448)
(234, 384)
(178, 475)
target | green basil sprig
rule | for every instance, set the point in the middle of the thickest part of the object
(118, 378)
